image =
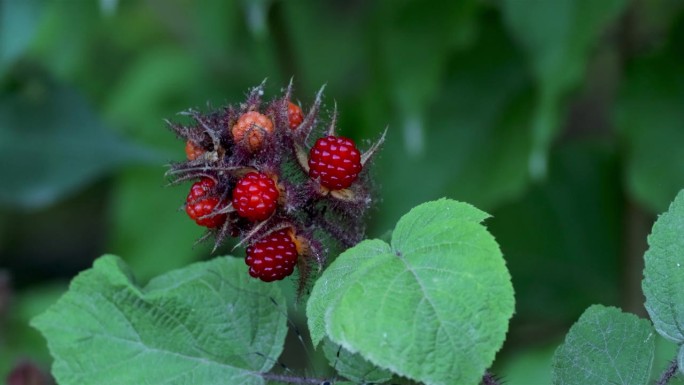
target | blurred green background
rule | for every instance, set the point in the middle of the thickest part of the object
(564, 119)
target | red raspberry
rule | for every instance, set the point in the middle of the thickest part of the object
(193, 151)
(255, 196)
(197, 204)
(253, 125)
(294, 115)
(273, 257)
(336, 161)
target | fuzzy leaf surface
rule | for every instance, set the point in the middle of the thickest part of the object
(605, 346)
(208, 323)
(664, 272)
(434, 306)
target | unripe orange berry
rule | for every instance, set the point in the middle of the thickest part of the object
(295, 115)
(192, 150)
(251, 128)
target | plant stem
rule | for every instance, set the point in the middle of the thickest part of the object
(669, 373)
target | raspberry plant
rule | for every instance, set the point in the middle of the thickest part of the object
(294, 192)
(431, 306)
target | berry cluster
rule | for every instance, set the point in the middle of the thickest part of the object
(277, 179)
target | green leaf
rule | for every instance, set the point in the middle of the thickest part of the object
(18, 23)
(434, 306)
(558, 37)
(328, 288)
(51, 144)
(650, 118)
(664, 272)
(353, 366)
(606, 346)
(208, 323)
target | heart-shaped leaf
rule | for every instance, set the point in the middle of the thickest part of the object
(434, 306)
(606, 346)
(664, 273)
(208, 323)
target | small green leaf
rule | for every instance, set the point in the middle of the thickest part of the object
(433, 307)
(664, 272)
(558, 36)
(606, 346)
(353, 366)
(52, 143)
(208, 323)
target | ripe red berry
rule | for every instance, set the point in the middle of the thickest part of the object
(255, 196)
(273, 257)
(336, 161)
(251, 128)
(193, 151)
(198, 204)
(294, 115)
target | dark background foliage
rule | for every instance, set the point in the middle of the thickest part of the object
(563, 119)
